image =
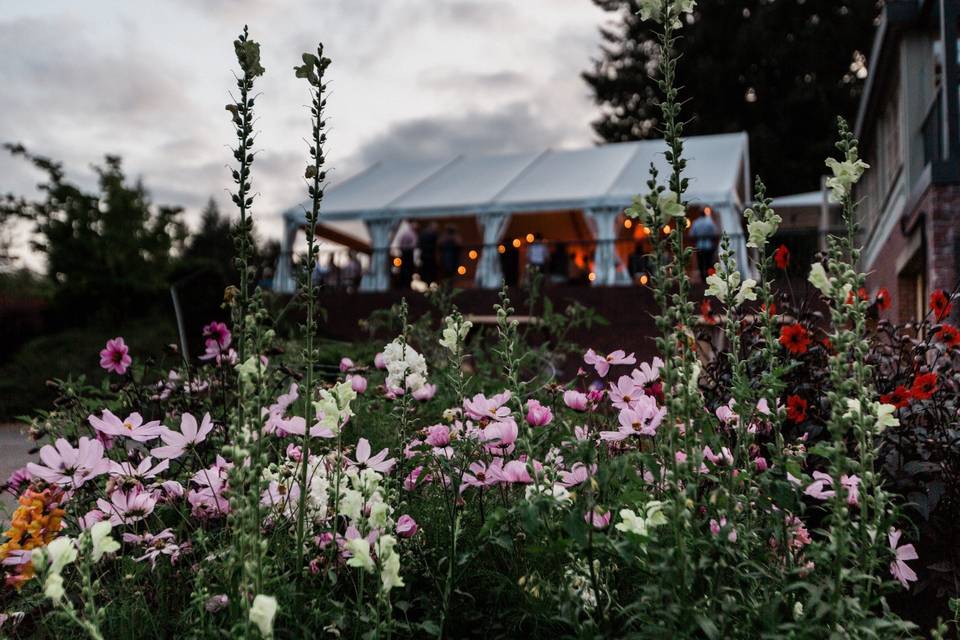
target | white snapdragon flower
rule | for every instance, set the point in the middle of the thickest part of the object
(818, 278)
(717, 285)
(846, 173)
(262, 612)
(630, 522)
(102, 541)
(651, 10)
(405, 367)
(360, 557)
(389, 563)
(557, 492)
(454, 333)
(746, 291)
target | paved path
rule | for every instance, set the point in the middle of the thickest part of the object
(14, 453)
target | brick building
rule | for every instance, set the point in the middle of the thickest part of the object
(909, 127)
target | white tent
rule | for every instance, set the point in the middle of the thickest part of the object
(599, 181)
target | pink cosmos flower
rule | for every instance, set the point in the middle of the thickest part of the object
(499, 437)
(64, 465)
(219, 333)
(598, 518)
(482, 475)
(514, 472)
(576, 400)
(438, 435)
(357, 383)
(625, 392)
(294, 452)
(345, 365)
(480, 407)
(18, 481)
(724, 457)
(161, 544)
(92, 517)
(899, 568)
(822, 487)
(126, 507)
(602, 363)
(726, 414)
(577, 474)
(132, 427)
(176, 444)
(647, 373)
(413, 478)
(642, 420)
(537, 414)
(146, 470)
(115, 356)
(406, 526)
(208, 501)
(426, 392)
(379, 462)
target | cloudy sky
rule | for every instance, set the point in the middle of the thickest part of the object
(410, 78)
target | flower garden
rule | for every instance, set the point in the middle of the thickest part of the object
(802, 481)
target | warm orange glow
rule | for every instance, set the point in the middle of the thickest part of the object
(646, 230)
(666, 229)
(627, 223)
(397, 262)
(530, 238)
(462, 270)
(501, 249)
(473, 254)
(644, 279)
(516, 243)
(687, 222)
(592, 276)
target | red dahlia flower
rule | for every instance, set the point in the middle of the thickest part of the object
(924, 386)
(899, 397)
(940, 304)
(795, 338)
(796, 409)
(782, 257)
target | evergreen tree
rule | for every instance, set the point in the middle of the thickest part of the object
(782, 70)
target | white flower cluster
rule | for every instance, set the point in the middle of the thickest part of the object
(639, 524)
(846, 173)
(724, 283)
(653, 10)
(759, 229)
(405, 367)
(333, 407)
(455, 331)
(668, 205)
(282, 495)
(880, 413)
(363, 503)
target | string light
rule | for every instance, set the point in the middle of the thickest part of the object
(516, 243)
(462, 270)
(592, 276)
(530, 238)
(687, 222)
(644, 279)
(473, 254)
(501, 249)
(628, 223)
(666, 229)
(397, 262)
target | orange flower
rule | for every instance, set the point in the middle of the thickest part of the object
(940, 304)
(35, 523)
(795, 338)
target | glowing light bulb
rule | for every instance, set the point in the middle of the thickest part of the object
(666, 229)
(687, 223)
(462, 270)
(516, 243)
(592, 276)
(473, 254)
(529, 238)
(644, 279)
(397, 262)
(501, 249)
(628, 223)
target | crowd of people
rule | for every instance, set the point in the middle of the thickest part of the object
(425, 254)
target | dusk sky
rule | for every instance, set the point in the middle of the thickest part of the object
(410, 78)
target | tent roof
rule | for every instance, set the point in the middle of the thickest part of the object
(605, 175)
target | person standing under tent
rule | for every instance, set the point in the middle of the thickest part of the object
(449, 251)
(704, 233)
(427, 243)
(407, 242)
(538, 253)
